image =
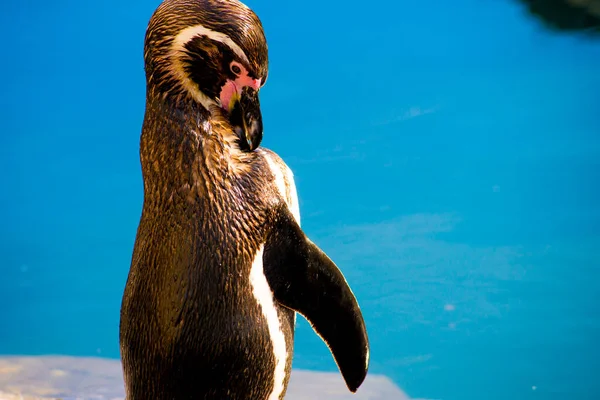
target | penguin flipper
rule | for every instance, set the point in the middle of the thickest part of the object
(305, 280)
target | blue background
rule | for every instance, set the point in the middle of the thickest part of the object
(447, 157)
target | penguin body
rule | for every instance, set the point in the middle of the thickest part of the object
(220, 264)
(216, 329)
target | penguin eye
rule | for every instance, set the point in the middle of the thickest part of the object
(235, 68)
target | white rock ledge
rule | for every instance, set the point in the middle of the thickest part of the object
(74, 378)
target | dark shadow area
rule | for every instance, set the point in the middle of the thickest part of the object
(567, 15)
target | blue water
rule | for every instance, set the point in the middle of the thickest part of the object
(447, 157)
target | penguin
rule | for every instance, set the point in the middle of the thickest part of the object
(220, 265)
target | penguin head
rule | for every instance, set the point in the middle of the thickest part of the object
(212, 52)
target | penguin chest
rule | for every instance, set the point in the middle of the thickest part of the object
(279, 323)
(241, 348)
(245, 336)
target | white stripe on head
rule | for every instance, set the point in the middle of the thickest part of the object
(264, 297)
(192, 32)
(178, 49)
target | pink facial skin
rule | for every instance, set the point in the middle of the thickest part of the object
(236, 86)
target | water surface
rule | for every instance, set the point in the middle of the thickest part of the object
(450, 166)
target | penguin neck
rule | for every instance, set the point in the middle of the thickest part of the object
(185, 148)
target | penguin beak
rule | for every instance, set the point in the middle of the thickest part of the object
(239, 98)
(246, 118)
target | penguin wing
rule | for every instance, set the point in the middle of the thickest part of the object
(305, 280)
